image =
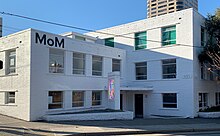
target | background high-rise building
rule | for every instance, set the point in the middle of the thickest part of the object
(160, 7)
(0, 27)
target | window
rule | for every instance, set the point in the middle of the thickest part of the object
(78, 63)
(78, 99)
(109, 42)
(141, 71)
(206, 73)
(80, 38)
(96, 98)
(116, 65)
(169, 100)
(217, 98)
(56, 64)
(10, 97)
(11, 62)
(169, 68)
(169, 35)
(140, 40)
(55, 99)
(203, 100)
(203, 42)
(96, 65)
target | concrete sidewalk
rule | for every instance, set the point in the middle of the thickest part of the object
(11, 126)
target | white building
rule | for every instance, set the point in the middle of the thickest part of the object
(160, 74)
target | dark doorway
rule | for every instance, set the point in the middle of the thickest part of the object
(139, 105)
(121, 101)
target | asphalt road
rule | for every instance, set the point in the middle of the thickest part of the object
(212, 133)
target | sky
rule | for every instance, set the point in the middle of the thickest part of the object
(89, 14)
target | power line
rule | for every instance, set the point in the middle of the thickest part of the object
(84, 29)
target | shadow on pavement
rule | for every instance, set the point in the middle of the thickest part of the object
(32, 132)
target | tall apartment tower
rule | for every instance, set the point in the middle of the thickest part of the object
(160, 7)
(0, 27)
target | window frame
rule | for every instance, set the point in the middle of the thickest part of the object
(110, 42)
(166, 75)
(94, 71)
(203, 36)
(169, 32)
(61, 102)
(175, 103)
(8, 98)
(116, 63)
(139, 38)
(139, 67)
(83, 70)
(95, 101)
(10, 57)
(79, 103)
(202, 103)
(217, 98)
(57, 68)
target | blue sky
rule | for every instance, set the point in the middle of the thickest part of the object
(91, 14)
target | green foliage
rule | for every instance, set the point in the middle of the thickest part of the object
(211, 52)
(211, 109)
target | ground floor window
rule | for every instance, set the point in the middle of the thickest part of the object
(55, 99)
(217, 98)
(96, 98)
(203, 100)
(78, 99)
(169, 100)
(10, 97)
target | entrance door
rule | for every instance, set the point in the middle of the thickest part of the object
(121, 101)
(139, 105)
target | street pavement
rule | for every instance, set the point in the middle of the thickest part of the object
(157, 126)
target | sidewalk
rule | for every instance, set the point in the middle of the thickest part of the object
(11, 126)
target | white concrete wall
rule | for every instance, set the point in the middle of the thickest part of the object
(186, 25)
(18, 82)
(42, 81)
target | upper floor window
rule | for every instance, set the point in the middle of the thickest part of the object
(206, 72)
(56, 62)
(203, 38)
(96, 65)
(141, 71)
(169, 68)
(169, 35)
(78, 63)
(140, 40)
(11, 62)
(116, 65)
(80, 38)
(109, 42)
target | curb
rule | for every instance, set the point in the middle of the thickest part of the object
(145, 132)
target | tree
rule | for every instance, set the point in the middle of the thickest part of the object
(211, 52)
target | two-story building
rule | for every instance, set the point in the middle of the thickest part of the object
(149, 67)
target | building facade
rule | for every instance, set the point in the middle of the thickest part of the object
(161, 7)
(150, 68)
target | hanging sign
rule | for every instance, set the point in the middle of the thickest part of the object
(111, 89)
